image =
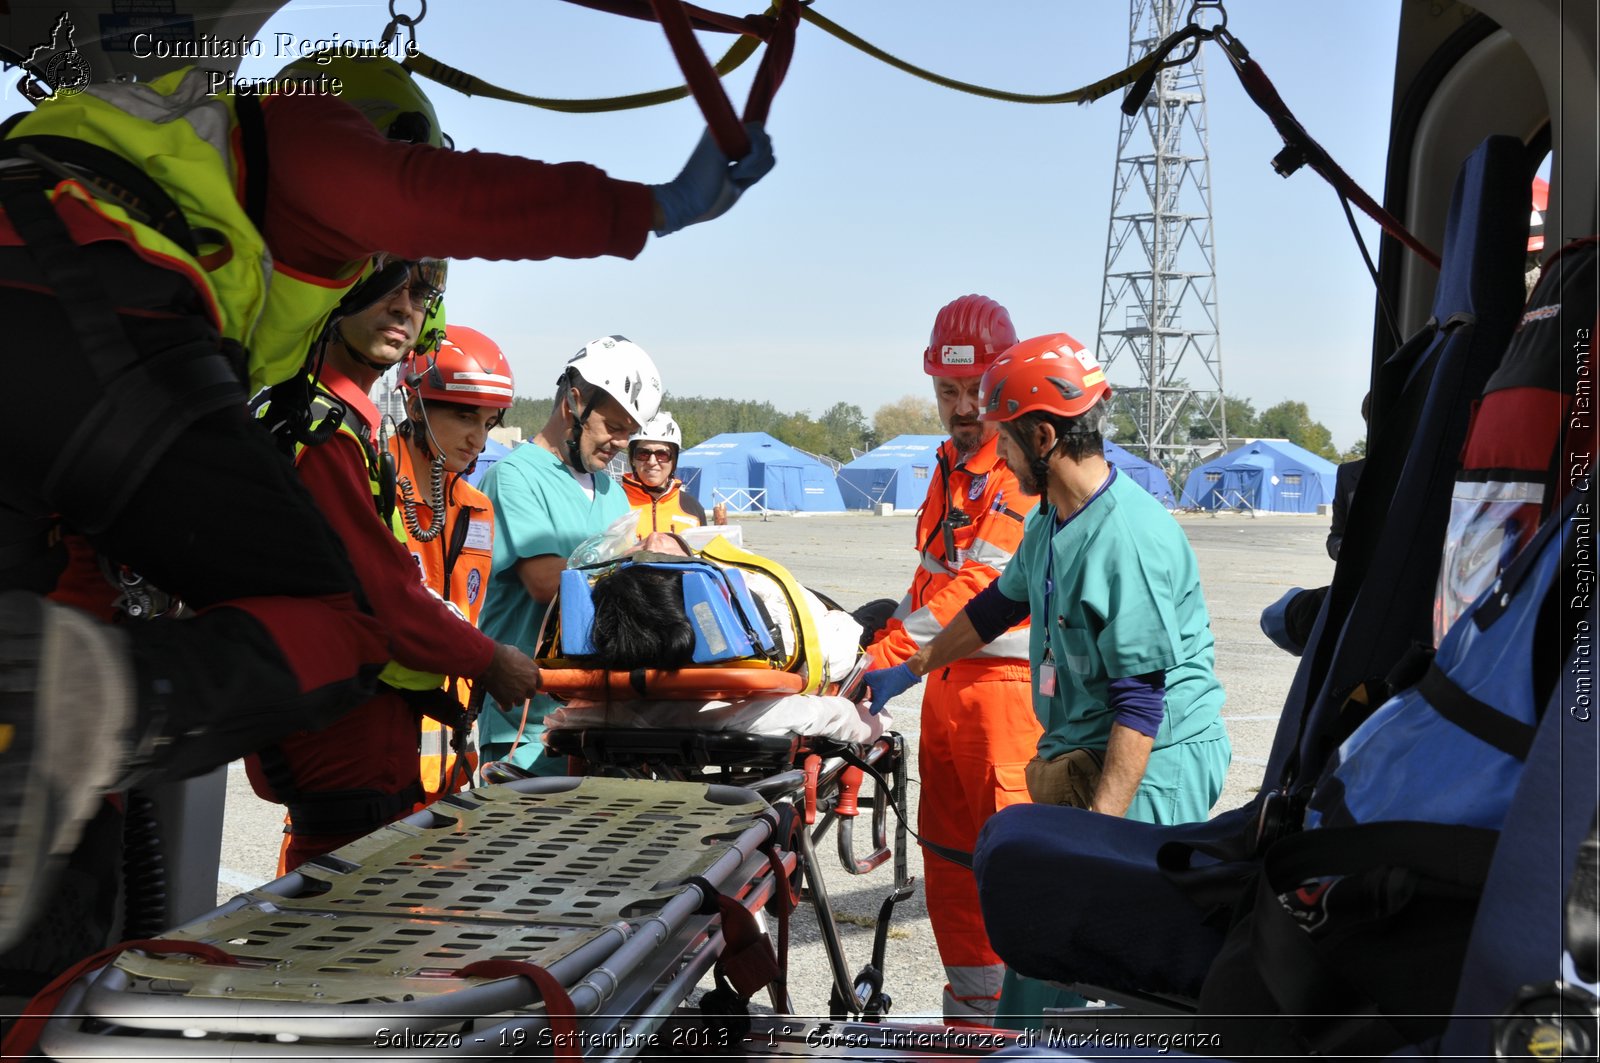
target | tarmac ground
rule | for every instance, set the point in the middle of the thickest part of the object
(1245, 564)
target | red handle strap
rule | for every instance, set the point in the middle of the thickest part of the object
(679, 21)
(1260, 89)
(23, 1035)
(557, 1004)
(703, 82)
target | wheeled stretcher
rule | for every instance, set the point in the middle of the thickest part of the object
(746, 714)
(611, 888)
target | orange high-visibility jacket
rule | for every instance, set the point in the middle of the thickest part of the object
(455, 566)
(673, 511)
(984, 489)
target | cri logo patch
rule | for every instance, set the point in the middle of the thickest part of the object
(474, 582)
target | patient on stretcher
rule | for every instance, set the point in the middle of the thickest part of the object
(668, 609)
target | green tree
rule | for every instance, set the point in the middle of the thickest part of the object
(1292, 421)
(845, 429)
(908, 415)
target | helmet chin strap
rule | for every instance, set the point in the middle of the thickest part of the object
(574, 453)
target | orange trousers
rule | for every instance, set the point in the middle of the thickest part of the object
(978, 733)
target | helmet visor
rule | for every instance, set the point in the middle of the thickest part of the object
(423, 280)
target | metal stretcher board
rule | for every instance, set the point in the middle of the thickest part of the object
(357, 952)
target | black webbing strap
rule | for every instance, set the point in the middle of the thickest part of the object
(107, 176)
(959, 857)
(253, 145)
(1478, 719)
(458, 541)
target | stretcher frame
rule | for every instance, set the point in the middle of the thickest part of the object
(612, 917)
(809, 776)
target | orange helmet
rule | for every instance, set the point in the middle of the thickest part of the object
(968, 335)
(469, 369)
(1048, 374)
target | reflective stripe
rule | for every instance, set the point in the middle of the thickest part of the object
(922, 626)
(987, 553)
(1013, 643)
(902, 610)
(1498, 491)
(938, 568)
(974, 987)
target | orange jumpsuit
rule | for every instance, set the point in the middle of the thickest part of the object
(455, 566)
(671, 511)
(979, 729)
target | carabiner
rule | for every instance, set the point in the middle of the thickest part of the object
(1198, 6)
(396, 20)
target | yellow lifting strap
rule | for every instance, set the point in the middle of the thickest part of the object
(1087, 94)
(433, 70)
(426, 66)
(723, 552)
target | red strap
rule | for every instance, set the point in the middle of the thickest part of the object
(704, 84)
(1265, 95)
(557, 1004)
(679, 21)
(786, 905)
(23, 1036)
(774, 64)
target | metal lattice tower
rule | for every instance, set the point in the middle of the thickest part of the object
(1158, 310)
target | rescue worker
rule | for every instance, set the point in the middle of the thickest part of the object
(1120, 645)
(652, 487)
(978, 726)
(549, 495)
(453, 398)
(361, 772)
(135, 222)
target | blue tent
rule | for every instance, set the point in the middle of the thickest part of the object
(752, 470)
(1147, 475)
(897, 472)
(492, 452)
(1275, 476)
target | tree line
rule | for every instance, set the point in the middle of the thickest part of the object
(844, 430)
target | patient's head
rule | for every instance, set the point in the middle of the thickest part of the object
(640, 621)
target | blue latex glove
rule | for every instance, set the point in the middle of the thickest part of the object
(1275, 624)
(884, 683)
(709, 183)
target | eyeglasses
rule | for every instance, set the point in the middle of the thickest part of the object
(662, 456)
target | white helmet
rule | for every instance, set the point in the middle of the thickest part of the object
(620, 368)
(661, 429)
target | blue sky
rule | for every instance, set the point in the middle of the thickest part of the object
(892, 196)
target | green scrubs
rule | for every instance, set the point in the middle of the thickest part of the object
(539, 509)
(1115, 592)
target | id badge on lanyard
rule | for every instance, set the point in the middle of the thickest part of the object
(1047, 675)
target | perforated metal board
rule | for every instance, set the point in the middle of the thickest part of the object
(531, 876)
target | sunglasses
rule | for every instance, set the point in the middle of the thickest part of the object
(662, 456)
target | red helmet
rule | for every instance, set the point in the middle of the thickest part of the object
(1049, 374)
(469, 369)
(968, 335)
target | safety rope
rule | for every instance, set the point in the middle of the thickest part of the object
(1086, 94)
(424, 65)
(754, 29)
